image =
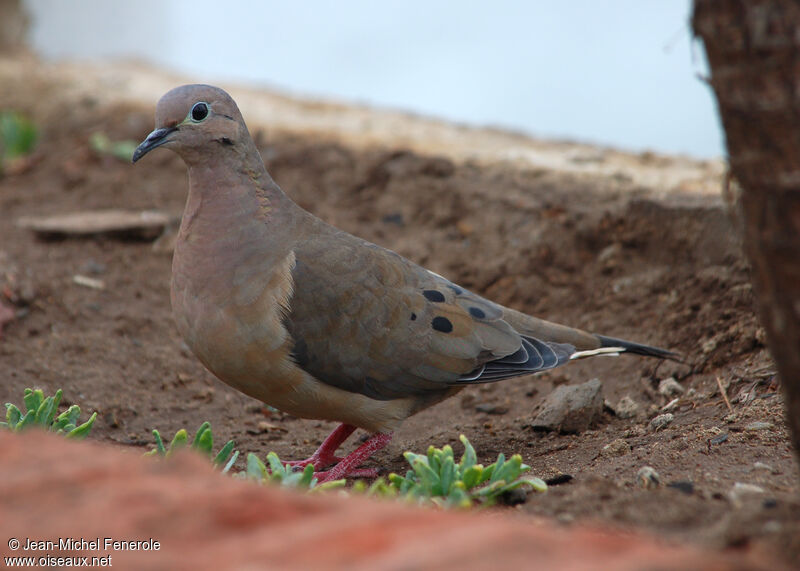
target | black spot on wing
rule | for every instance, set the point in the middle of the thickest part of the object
(442, 324)
(433, 295)
(477, 312)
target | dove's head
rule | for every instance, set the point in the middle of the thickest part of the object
(193, 121)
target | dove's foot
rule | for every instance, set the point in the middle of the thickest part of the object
(349, 465)
(325, 455)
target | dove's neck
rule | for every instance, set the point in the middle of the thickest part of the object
(231, 192)
(235, 217)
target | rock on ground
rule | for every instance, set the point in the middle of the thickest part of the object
(571, 408)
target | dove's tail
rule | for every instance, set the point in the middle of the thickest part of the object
(611, 345)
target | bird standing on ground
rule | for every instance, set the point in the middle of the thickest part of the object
(319, 323)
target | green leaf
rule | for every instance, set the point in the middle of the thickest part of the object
(275, 464)
(68, 417)
(180, 440)
(472, 476)
(13, 415)
(256, 468)
(199, 434)
(447, 452)
(426, 477)
(47, 410)
(17, 135)
(26, 420)
(497, 468)
(224, 452)
(447, 474)
(231, 462)
(122, 150)
(204, 440)
(307, 479)
(327, 486)
(397, 480)
(82, 430)
(33, 399)
(434, 458)
(537, 484)
(469, 457)
(159, 443)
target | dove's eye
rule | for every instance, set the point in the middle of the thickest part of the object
(199, 111)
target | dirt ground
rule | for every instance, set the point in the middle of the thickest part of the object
(602, 254)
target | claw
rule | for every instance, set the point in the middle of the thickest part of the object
(347, 466)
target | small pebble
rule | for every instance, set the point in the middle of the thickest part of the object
(764, 467)
(670, 388)
(86, 281)
(740, 490)
(661, 421)
(626, 408)
(671, 405)
(647, 478)
(618, 447)
(719, 439)
(743, 488)
(264, 426)
(491, 408)
(758, 425)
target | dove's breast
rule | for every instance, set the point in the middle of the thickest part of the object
(232, 318)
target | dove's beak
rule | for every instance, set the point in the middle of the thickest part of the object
(153, 140)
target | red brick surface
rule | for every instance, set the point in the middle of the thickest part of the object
(51, 488)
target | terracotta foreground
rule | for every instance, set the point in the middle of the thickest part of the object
(54, 489)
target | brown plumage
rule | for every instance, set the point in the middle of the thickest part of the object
(317, 322)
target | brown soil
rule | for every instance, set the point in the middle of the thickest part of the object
(597, 253)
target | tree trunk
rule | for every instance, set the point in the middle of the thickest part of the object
(13, 25)
(753, 49)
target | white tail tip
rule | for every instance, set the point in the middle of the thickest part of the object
(607, 351)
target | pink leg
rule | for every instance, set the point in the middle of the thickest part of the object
(349, 465)
(325, 455)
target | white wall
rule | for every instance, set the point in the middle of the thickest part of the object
(620, 73)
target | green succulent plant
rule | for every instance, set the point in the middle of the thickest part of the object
(17, 135)
(41, 411)
(276, 472)
(203, 442)
(102, 145)
(438, 478)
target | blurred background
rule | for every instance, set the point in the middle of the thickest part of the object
(624, 73)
